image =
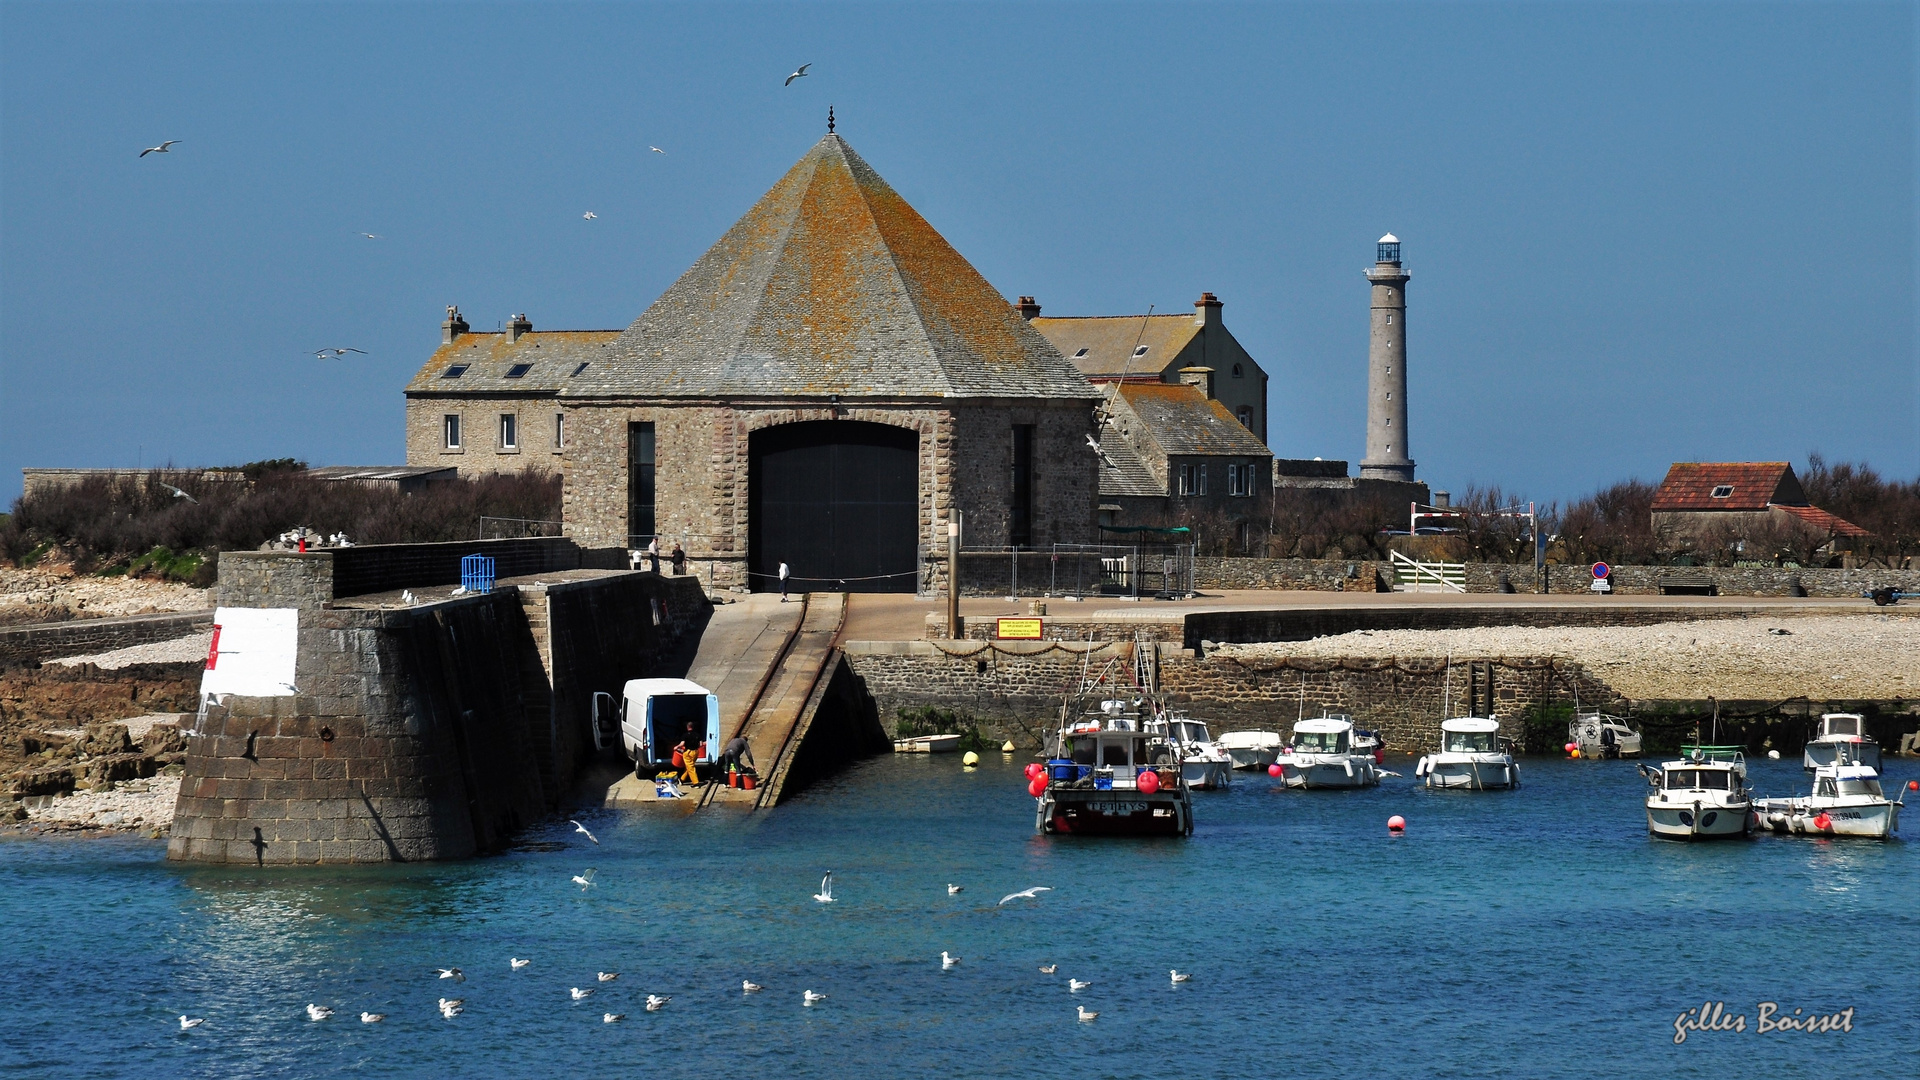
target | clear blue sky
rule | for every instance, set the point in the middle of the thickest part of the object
(1637, 233)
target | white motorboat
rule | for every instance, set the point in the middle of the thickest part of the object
(1599, 735)
(1846, 801)
(1322, 755)
(1702, 796)
(927, 744)
(1204, 766)
(1471, 757)
(1251, 749)
(1841, 734)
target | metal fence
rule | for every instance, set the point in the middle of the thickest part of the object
(1132, 570)
(504, 528)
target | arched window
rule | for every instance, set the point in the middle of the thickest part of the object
(1238, 371)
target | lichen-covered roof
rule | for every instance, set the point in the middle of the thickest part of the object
(553, 356)
(1123, 472)
(1111, 341)
(832, 284)
(1182, 420)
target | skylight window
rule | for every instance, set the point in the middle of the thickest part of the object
(581, 368)
(519, 371)
(1724, 491)
(1080, 354)
(454, 372)
(1141, 351)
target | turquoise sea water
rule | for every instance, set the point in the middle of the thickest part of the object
(1537, 933)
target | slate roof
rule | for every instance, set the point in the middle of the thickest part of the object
(1111, 340)
(553, 354)
(1756, 485)
(831, 284)
(1123, 472)
(1182, 420)
(1825, 522)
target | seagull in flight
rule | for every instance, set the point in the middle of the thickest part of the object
(372, 1018)
(825, 895)
(801, 74)
(1074, 986)
(588, 216)
(162, 148)
(372, 236)
(809, 997)
(452, 973)
(953, 889)
(656, 150)
(579, 994)
(612, 1018)
(1050, 969)
(749, 987)
(582, 830)
(585, 881)
(515, 963)
(335, 354)
(178, 494)
(1085, 1016)
(607, 976)
(188, 1025)
(1026, 894)
(947, 960)
(1180, 976)
(655, 1002)
(318, 1012)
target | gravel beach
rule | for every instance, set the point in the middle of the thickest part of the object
(132, 806)
(173, 651)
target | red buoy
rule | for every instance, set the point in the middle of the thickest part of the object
(1823, 822)
(1035, 769)
(1037, 786)
(1396, 824)
(1149, 782)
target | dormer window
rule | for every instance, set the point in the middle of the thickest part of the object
(519, 371)
(1724, 491)
(454, 372)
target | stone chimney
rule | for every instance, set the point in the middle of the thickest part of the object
(1027, 308)
(518, 326)
(1206, 310)
(454, 326)
(1200, 378)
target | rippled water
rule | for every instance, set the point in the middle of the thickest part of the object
(1537, 933)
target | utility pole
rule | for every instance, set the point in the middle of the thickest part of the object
(953, 578)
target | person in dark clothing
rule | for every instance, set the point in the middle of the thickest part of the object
(679, 559)
(735, 753)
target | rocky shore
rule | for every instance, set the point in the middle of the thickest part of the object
(120, 775)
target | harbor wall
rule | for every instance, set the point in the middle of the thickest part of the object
(31, 643)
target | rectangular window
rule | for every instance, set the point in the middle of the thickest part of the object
(519, 371)
(1202, 470)
(560, 431)
(640, 466)
(451, 428)
(509, 431)
(1233, 480)
(1193, 479)
(1020, 523)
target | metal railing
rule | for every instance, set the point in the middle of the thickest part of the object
(505, 528)
(1131, 570)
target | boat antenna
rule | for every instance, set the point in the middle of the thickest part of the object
(1446, 692)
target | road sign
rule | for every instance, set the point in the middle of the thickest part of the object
(1601, 570)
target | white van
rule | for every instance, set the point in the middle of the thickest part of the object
(653, 717)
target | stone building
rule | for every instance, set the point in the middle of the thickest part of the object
(1173, 456)
(826, 387)
(1746, 498)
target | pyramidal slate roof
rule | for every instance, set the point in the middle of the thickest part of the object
(831, 284)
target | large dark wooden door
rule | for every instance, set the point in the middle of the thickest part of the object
(838, 502)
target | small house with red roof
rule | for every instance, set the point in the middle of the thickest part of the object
(1740, 497)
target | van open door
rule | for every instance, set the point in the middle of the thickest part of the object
(606, 725)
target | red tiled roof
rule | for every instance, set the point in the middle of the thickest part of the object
(1755, 485)
(1824, 521)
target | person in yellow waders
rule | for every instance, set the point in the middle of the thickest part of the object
(687, 758)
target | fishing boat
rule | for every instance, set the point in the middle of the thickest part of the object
(1100, 781)
(1846, 801)
(1841, 734)
(1321, 754)
(1472, 757)
(1205, 766)
(1702, 796)
(1599, 735)
(1251, 749)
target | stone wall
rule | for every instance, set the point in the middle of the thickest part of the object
(1321, 575)
(35, 642)
(316, 578)
(1777, 581)
(480, 451)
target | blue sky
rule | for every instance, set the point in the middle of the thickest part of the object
(1637, 233)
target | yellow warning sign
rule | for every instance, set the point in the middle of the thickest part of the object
(1017, 629)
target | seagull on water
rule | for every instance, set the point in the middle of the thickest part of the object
(1074, 986)
(515, 963)
(809, 997)
(749, 987)
(612, 1018)
(825, 895)
(579, 994)
(452, 1007)
(1180, 976)
(655, 1002)
(372, 1018)
(946, 960)
(1026, 894)
(451, 973)
(178, 494)
(162, 148)
(588, 216)
(607, 976)
(1085, 1016)
(188, 1024)
(582, 830)
(801, 74)
(1050, 969)
(318, 1012)
(585, 881)
(953, 889)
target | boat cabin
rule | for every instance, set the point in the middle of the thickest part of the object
(1701, 778)
(1842, 724)
(1326, 735)
(1847, 780)
(1470, 735)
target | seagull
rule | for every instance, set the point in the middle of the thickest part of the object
(579, 994)
(372, 1018)
(186, 1024)
(585, 881)
(1027, 894)
(1074, 986)
(809, 997)
(588, 216)
(607, 976)
(1050, 969)
(655, 1002)
(452, 1007)
(178, 494)
(318, 1012)
(801, 74)
(1085, 1016)
(656, 150)
(952, 889)
(825, 895)
(582, 830)
(371, 236)
(162, 148)
(451, 973)
(1178, 976)
(947, 961)
(335, 354)
(515, 963)
(749, 987)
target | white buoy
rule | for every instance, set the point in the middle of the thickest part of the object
(970, 759)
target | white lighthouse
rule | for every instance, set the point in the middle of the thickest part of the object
(1387, 369)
